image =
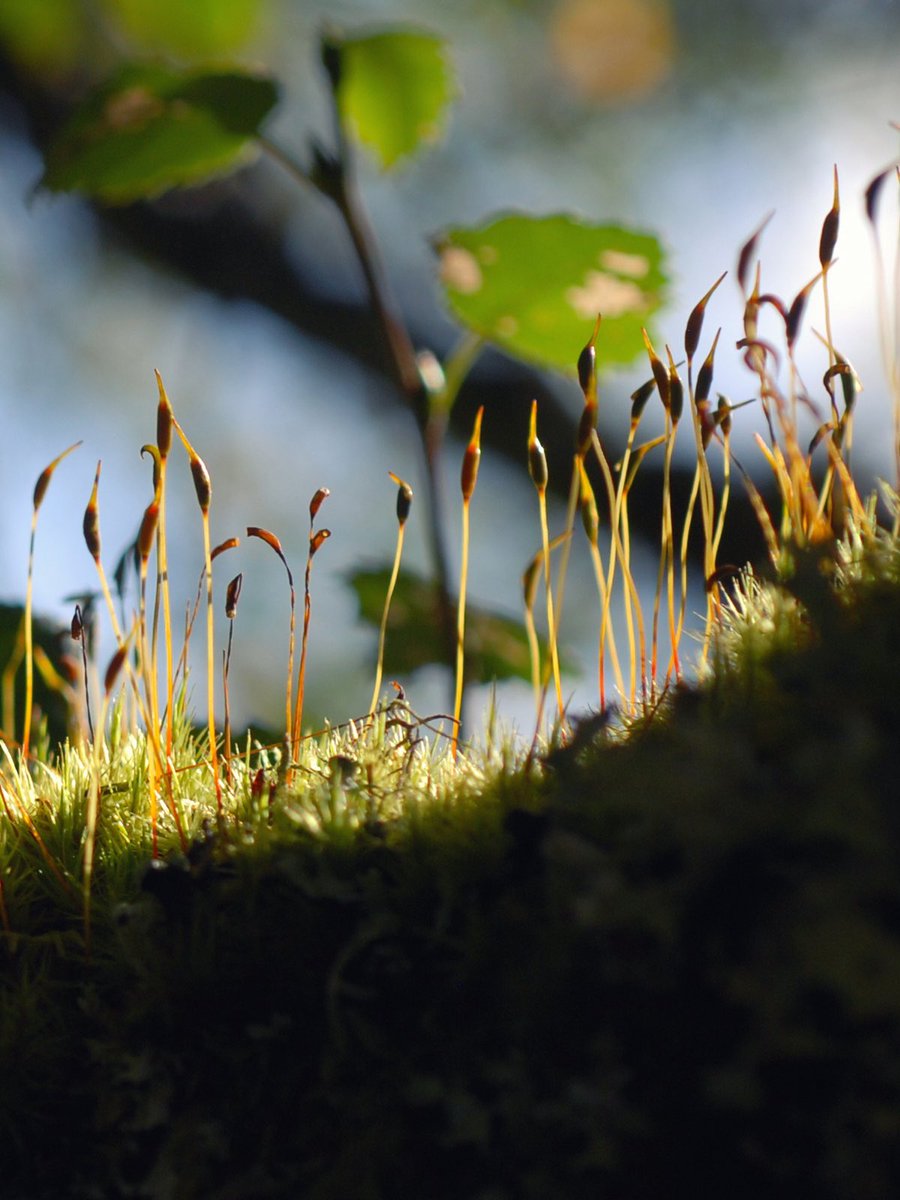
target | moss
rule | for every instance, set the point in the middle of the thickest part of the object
(663, 961)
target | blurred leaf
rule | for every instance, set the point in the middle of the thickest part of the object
(42, 36)
(394, 90)
(153, 128)
(52, 702)
(496, 646)
(532, 285)
(201, 28)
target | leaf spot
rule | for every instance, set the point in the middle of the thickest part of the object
(605, 294)
(460, 270)
(132, 108)
(634, 265)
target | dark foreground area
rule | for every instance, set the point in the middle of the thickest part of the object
(670, 966)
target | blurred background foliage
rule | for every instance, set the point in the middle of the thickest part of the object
(690, 118)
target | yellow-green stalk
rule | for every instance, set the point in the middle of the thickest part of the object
(468, 479)
(404, 503)
(316, 539)
(664, 388)
(164, 422)
(275, 543)
(703, 424)
(203, 489)
(591, 521)
(93, 801)
(40, 490)
(620, 546)
(232, 595)
(530, 579)
(587, 380)
(91, 529)
(537, 469)
(146, 537)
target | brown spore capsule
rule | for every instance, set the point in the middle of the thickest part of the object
(796, 311)
(404, 498)
(748, 252)
(873, 191)
(232, 595)
(587, 363)
(228, 544)
(639, 398)
(694, 325)
(202, 482)
(705, 374)
(660, 374)
(319, 497)
(317, 539)
(830, 225)
(115, 666)
(91, 522)
(723, 415)
(43, 480)
(537, 459)
(164, 418)
(471, 459)
(586, 426)
(590, 518)
(530, 580)
(148, 530)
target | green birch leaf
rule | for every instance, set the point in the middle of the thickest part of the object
(496, 646)
(154, 128)
(394, 88)
(534, 285)
(44, 37)
(198, 29)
